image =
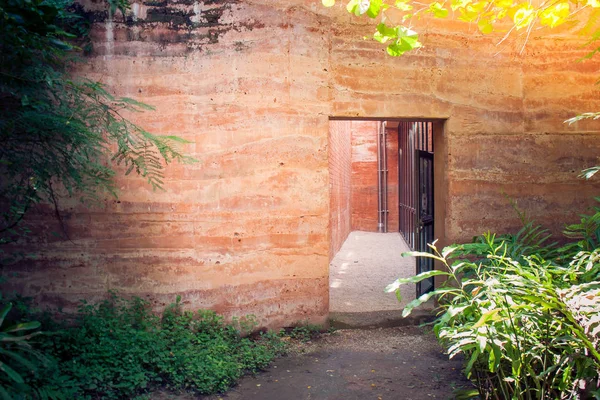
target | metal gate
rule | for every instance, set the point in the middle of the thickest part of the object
(415, 177)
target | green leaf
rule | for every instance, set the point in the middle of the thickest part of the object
(466, 394)
(374, 8)
(133, 102)
(4, 311)
(438, 10)
(60, 44)
(416, 302)
(494, 358)
(471, 362)
(421, 254)
(423, 299)
(446, 251)
(385, 33)
(28, 364)
(328, 3)
(12, 374)
(490, 315)
(24, 326)
(481, 343)
(4, 394)
(413, 279)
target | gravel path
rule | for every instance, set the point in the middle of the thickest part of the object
(403, 363)
(388, 363)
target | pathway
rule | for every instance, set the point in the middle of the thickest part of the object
(364, 266)
(399, 363)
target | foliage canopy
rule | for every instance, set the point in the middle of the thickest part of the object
(395, 27)
(55, 130)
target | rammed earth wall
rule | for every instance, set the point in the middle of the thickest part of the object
(252, 84)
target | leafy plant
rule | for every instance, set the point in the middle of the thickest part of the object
(527, 324)
(20, 361)
(587, 231)
(119, 349)
(395, 27)
(56, 131)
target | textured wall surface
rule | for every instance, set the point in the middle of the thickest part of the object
(340, 173)
(252, 85)
(391, 145)
(364, 175)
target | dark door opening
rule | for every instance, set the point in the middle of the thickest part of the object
(416, 196)
(366, 193)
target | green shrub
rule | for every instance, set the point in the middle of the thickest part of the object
(524, 315)
(26, 369)
(119, 349)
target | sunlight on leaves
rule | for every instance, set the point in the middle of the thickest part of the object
(555, 15)
(523, 16)
(438, 10)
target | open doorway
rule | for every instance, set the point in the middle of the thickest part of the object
(381, 205)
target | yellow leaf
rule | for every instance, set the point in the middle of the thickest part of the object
(472, 11)
(523, 16)
(403, 5)
(328, 3)
(593, 3)
(556, 15)
(503, 3)
(456, 4)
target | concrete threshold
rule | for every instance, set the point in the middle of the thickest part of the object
(379, 319)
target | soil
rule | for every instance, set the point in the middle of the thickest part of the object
(403, 363)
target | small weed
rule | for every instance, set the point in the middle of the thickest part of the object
(305, 332)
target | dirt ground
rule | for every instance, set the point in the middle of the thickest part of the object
(401, 363)
(364, 266)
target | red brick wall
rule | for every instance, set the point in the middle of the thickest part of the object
(364, 175)
(340, 168)
(392, 181)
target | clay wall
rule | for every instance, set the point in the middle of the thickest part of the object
(340, 172)
(252, 86)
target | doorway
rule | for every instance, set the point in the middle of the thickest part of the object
(381, 205)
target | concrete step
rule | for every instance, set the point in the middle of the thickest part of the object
(379, 319)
